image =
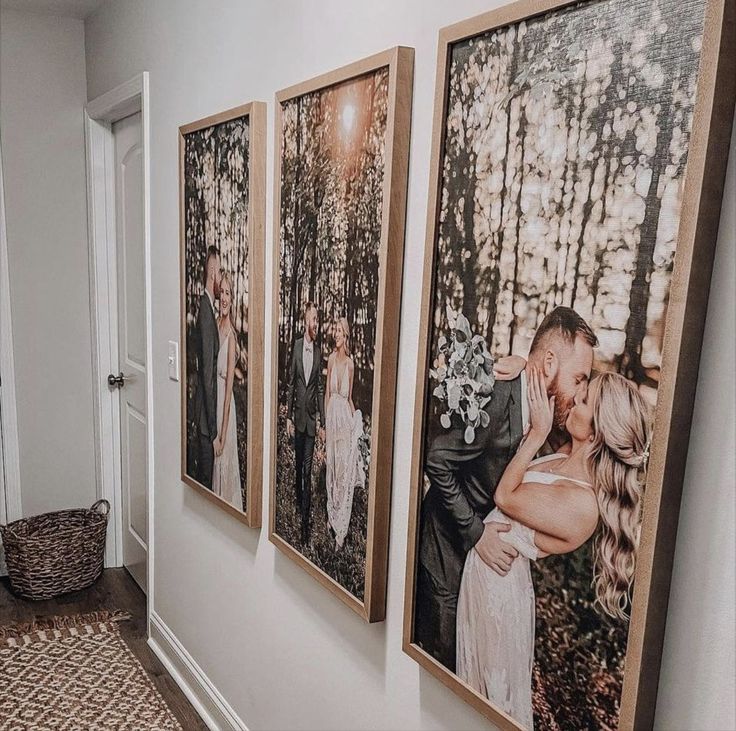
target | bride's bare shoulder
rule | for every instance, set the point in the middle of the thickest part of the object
(581, 502)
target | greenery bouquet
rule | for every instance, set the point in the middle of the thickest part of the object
(464, 376)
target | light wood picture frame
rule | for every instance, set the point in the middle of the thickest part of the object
(353, 130)
(225, 207)
(696, 194)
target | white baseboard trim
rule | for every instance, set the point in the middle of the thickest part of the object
(215, 711)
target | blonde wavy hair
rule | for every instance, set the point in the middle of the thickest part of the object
(225, 276)
(621, 429)
(343, 323)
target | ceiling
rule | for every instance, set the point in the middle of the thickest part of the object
(69, 8)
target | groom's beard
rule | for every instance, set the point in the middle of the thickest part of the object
(563, 404)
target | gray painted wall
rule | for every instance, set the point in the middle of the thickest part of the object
(42, 95)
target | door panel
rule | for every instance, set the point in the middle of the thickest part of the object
(132, 342)
(136, 440)
(134, 266)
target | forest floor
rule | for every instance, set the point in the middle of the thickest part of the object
(345, 565)
(579, 652)
(241, 407)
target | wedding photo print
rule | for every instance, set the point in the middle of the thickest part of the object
(221, 312)
(336, 200)
(564, 143)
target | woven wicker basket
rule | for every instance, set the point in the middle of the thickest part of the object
(56, 553)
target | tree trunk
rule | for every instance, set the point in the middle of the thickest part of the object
(600, 263)
(639, 296)
(293, 310)
(517, 248)
(498, 239)
(576, 267)
(587, 207)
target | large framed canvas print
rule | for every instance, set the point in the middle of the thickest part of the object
(222, 171)
(342, 146)
(578, 160)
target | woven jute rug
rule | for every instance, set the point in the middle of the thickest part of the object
(72, 673)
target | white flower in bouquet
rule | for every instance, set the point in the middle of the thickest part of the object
(464, 375)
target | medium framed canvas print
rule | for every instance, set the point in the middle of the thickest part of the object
(342, 144)
(222, 209)
(578, 161)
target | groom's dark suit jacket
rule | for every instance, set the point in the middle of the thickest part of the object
(306, 395)
(463, 479)
(207, 347)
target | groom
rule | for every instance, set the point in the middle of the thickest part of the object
(463, 478)
(207, 344)
(305, 400)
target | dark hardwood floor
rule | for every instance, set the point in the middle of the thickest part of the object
(115, 589)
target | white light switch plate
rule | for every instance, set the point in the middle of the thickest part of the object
(173, 360)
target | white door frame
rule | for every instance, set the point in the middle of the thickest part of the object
(11, 508)
(100, 115)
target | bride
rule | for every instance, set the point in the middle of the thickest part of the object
(553, 504)
(343, 429)
(226, 473)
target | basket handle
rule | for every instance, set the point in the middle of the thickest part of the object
(101, 503)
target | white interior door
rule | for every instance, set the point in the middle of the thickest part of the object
(131, 375)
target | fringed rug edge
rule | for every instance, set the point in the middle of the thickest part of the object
(49, 628)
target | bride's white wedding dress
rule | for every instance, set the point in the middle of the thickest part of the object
(344, 464)
(226, 472)
(495, 617)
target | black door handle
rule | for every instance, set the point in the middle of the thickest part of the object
(116, 381)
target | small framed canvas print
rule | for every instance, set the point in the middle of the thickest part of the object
(222, 167)
(342, 146)
(578, 161)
